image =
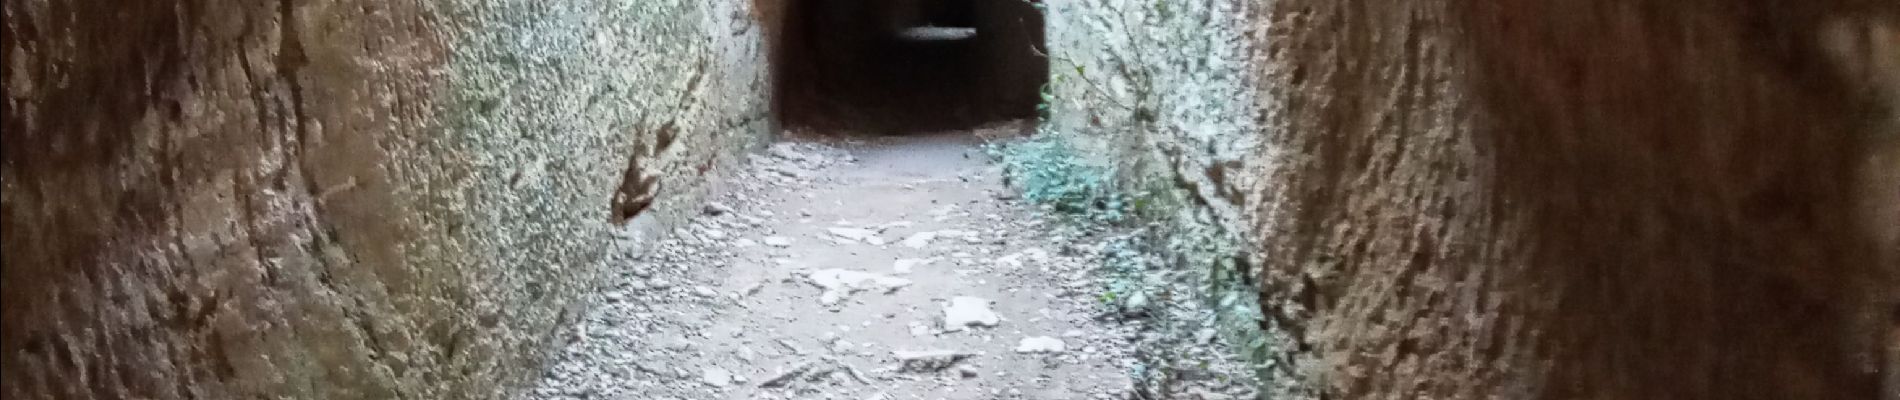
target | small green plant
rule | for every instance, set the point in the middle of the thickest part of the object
(1046, 96)
(1125, 275)
(1050, 171)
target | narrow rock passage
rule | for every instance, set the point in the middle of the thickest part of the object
(887, 269)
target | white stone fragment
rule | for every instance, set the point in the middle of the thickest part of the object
(966, 311)
(919, 240)
(716, 377)
(1041, 344)
(1017, 259)
(907, 265)
(841, 283)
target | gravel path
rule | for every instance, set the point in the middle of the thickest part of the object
(893, 269)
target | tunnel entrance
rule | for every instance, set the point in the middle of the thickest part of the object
(906, 66)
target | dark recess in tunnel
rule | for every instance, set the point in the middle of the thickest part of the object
(858, 65)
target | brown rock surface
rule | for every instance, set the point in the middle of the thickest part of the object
(339, 199)
(1621, 199)
(1584, 200)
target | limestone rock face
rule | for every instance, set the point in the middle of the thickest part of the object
(342, 199)
(1443, 199)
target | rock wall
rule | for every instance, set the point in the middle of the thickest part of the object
(1169, 96)
(1695, 214)
(1441, 199)
(342, 199)
(1009, 44)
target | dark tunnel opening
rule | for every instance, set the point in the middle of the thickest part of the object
(907, 66)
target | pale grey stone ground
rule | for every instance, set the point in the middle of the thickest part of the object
(827, 271)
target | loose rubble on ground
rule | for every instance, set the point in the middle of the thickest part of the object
(892, 271)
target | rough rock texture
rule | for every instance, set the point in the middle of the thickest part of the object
(1166, 94)
(1619, 199)
(1683, 181)
(341, 199)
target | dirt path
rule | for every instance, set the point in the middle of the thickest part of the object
(736, 306)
